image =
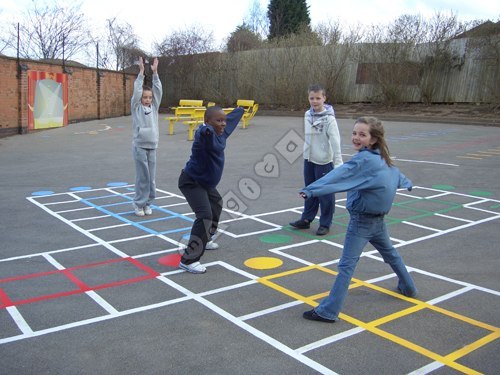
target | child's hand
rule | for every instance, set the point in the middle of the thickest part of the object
(154, 67)
(141, 65)
(303, 195)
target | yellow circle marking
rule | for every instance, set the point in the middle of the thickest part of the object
(263, 263)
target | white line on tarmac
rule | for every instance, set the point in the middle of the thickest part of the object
(253, 331)
(329, 340)
(19, 320)
(92, 294)
(270, 310)
(79, 229)
(420, 226)
(454, 218)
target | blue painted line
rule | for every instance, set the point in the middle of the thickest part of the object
(80, 188)
(117, 184)
(112, 214)
(158, 219)
(42, 192)
(176, 231)
(136, 224)
(103, 197)
(164, 210)
(115, 204)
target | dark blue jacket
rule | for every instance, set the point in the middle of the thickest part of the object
(206, 163)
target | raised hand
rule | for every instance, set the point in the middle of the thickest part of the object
(141, 65)
(154, 67)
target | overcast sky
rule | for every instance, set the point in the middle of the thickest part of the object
(152, 20)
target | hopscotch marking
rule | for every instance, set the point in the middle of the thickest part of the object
(298, 353)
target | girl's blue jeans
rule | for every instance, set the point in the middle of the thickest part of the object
(361, 230)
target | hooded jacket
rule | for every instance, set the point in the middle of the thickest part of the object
(322, 138)
(145, 119)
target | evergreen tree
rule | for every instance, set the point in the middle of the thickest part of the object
(243, 39)
(288, 17)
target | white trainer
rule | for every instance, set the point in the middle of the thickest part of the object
(211, 245)
(148, 210)
(195, 267)
(138, 211)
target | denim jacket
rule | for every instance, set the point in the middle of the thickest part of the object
(371, 184)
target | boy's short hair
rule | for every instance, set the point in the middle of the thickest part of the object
(147, 88)
(211, 110)
(316, 88)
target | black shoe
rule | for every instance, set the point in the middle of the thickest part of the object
(311, 315)
(322, 231)
(301, 224)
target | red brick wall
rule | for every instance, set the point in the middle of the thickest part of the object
(115, 92)
(8, 94)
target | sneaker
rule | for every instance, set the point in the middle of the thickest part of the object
(300, 224)
(322, 231)
(311, 315)
(148, 210)
(408, 294)
(195, 267)
(211, 245)
(138, 211)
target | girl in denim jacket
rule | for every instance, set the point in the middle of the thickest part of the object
(371, 181)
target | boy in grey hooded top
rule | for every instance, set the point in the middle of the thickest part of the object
(321, 154)
(145, 105)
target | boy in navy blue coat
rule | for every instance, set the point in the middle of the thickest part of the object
(198, 182)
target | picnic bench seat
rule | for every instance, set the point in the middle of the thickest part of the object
(198, 119)
(191, 116)
(250, 108)
(182, 114)
(190, 103)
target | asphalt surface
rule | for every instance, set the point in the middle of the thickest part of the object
(86, 287)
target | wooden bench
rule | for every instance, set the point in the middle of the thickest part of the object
(248, 115)
(191, 116)
(245, 103)
(182, 114)
(197, 119)
(190, 103)
(250, 108)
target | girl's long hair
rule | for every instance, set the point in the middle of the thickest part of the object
(377, 131)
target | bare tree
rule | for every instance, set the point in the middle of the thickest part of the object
(257, 20)
(190, 41)
(435, 53)
(329, 32)
(119, 47)
(51, 31)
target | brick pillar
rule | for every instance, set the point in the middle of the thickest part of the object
(22, 92)
(98, 80)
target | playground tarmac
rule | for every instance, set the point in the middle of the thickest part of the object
(88, 288)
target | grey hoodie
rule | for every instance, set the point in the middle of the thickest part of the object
(145, 119)
(322, 137)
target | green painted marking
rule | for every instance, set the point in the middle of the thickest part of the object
(478, 193)
(443, 187)
(275, 238)
(301, 233)
(495, 206)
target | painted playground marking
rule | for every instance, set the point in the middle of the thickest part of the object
(100, 214)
